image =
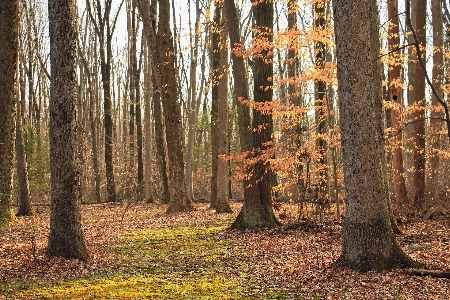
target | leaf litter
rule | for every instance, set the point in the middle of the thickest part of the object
(294, 261)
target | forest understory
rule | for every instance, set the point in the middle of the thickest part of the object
(138, 252)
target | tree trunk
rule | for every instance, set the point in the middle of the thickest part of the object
(180, 200)
(396, 93)
(223, 205)
(194, 101)
(240, 84)
(257, 210)
(66, 237)
(419, 113)
(435, 115)
(409, 130)
(320, 99)
(215, 75)
(148, 87)
(9, 34)
(368, 242)
(139, 145)
(23, 189)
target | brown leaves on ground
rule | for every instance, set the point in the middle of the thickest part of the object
(294, 260)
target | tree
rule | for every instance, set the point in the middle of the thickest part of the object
(257, 210)
(368, 242)
(215, 75)
(222, 203)
(66, 237)
(397, 101)
(104, 29)
(180, 200)
(435, 122)
(9, 41)
(23, 189)
(419, 113)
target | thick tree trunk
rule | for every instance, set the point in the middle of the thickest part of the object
(66, 237)
(180, 200)
(368, 242)
(23, 189)
(257, 210)
(419, 113)
(223, 205)
(9, 34)
(396, 93)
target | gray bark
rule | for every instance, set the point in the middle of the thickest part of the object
(368, 242)
(66, 237)
(9, 28)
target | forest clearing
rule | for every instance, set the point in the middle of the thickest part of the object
(150, 255)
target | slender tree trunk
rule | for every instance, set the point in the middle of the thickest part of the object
(409, 130)
(419, 113)
(435, 116)
(320, 102)
(23, 189)
(223, 205)
(396, 98)
(180, 200)
(66, 237)
(139, 139)
(9, 41)
(194, 103)
(257, 210)
(148, 87)
(368, 242)
(215, 75)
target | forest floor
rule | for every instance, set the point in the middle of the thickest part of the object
(141, 253)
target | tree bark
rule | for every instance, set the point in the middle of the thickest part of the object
(223, 205)
(23, 189)
(396, 93)
(419, 113)
(180, 200)
(320, 106)
(368, 242)
(215, 75)
(257, 210)
(66, 237)
(9, 41)
(435, 115)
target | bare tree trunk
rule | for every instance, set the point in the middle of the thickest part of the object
(23, 189)
(368, 242)
(419, 114)
(104, 30)
(320, 105)
(9, 41)
(180, 200)
(148, 87)
(215, 75)
(396, 98)
(435, 116)
(223, 205)
(66, 236)
(194, 101)
(409, 130)
(257, 210)
(140, 163)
